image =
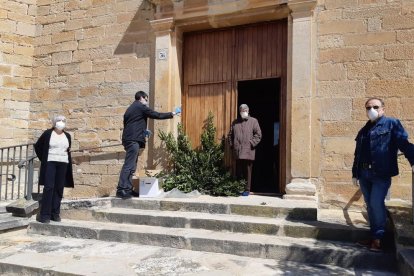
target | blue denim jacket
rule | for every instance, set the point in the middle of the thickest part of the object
(386, 137)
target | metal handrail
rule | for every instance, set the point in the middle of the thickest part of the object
(100, 147)
(30, 167)
(14, 177)
(17, 146)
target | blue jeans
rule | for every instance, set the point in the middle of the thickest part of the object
(129, 167)
(375, 190)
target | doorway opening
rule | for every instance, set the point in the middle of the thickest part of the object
(263, 98)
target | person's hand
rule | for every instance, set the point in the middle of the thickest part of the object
(177, 111)
(147, 133)
(355, 182)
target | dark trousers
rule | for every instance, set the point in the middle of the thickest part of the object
(53, 189)
(244, 171)
(129, 167)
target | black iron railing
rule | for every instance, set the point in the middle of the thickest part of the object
(16, 172)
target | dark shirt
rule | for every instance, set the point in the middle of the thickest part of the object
(366, 144)
(135, 122)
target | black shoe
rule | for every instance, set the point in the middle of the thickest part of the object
(43, 220)
(134, 194)
(123, 194)
(56, 218)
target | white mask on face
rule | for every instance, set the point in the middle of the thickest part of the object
(144, 101)
(372, 114)
(60, 125)
(244, 114)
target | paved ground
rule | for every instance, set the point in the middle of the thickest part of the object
(57, 256)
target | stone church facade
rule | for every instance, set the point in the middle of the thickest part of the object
(85, 59)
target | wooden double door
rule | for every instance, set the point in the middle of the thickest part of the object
(216, 63)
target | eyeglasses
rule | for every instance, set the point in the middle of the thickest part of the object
(374, 107)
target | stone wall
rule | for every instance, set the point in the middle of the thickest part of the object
(85, 59)
(365, 48)
(90, 58)
(17, 32)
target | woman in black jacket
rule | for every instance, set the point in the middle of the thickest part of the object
(53, 151)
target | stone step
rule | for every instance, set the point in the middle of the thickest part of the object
(23, 254)
(9, 222)
(233, 223)
(258, 207)
(251, 245)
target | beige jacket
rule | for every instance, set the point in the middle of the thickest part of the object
(244, 136)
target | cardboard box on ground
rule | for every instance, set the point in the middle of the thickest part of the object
(146, 184)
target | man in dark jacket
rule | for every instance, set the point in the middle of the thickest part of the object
(133, 138)
(375, 162)
(245, 134)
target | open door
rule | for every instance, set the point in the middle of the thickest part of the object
(219, 64)
(263, 99)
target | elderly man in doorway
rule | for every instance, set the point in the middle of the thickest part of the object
(375, 162)
(244, 136)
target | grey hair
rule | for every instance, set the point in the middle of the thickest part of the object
(243, 106)
(58, 118)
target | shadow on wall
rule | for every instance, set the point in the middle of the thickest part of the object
(139, 39)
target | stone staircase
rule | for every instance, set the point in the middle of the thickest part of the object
(284, 230)
(9, 222)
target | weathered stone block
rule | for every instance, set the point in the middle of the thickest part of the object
(335, 4)
(22, 207)
(339, 145)
(369, 39)
(411, 69)
(407, 112)
(399, 52)
(340, 89)
(339, 55)
(388, 88)
(332, 72)
(68, 69)
(371, 12)
(16, 82)
(374, 24)
(340, 129)
(396, 22)
(26, 29)
(63, 36)
(336, 109)
(342, 26)
(371, 53)
(61, 58)
(123, 75)
(301, 187)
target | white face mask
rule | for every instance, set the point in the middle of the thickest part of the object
(60, 125)
(144, 101)
(372, 114)
(244, 114)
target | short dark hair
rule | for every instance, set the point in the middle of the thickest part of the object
(374, 98)
(140, 94)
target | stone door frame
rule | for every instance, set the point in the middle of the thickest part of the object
(173, 19)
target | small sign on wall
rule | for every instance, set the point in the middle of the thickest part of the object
(162, 54)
